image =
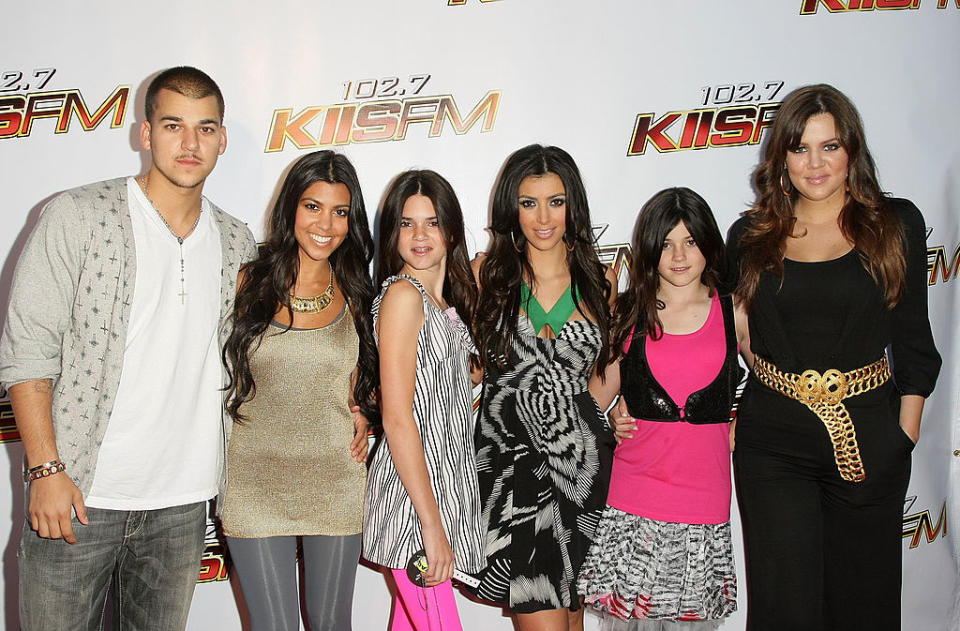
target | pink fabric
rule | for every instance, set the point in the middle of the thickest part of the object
(619, 607)
(419, 609)
(678, 472)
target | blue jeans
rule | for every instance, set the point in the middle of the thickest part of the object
(151, 559)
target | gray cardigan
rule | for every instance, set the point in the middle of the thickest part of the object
(70, 308)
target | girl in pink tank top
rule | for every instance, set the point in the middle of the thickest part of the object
(662, 558)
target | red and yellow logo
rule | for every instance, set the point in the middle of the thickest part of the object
(919, 526)
(711, 127)
(8, 425)
(19, 111)
(939, 268)
(739, 114)
(215, 562)
(809, 7)
(377, 121)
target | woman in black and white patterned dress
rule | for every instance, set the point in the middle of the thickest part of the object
(543, 448)
(422, 485)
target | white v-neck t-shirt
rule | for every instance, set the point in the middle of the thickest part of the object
(164, 442)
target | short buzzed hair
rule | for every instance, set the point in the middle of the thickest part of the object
(185, 80)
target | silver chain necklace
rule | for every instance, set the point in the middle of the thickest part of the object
(144, 181)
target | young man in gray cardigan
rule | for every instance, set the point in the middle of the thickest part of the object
(111, 354)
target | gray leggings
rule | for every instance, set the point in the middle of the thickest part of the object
(267, 569)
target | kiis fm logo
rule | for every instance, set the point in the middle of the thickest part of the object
(939, 269)
(8, 425)
(616, 255)
(18, 111)
(809, 7)
(215, 563)
(748, 109)
(378, 120)
(920, 525)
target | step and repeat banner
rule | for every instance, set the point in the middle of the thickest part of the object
(643, 94)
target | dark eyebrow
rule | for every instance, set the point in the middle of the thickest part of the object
(319, 203)
(179, 119)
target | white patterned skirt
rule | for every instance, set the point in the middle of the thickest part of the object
(643, 568)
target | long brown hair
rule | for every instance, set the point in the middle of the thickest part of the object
(270, 277)
(503, 270)
(865, 220)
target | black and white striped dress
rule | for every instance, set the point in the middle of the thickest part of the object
(442, 410)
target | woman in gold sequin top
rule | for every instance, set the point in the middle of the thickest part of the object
(303, 364)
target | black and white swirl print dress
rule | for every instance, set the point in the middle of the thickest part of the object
(544, 454)
(443, 412)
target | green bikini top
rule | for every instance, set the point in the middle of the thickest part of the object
(559, 313)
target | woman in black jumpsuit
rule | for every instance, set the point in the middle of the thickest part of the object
(833, 275)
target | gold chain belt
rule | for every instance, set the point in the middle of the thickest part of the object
(824, 395)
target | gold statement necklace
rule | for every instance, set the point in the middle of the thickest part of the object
(144, 183)
(317, 303)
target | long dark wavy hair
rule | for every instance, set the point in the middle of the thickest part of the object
(506, 264)
(459, 286)
(637, 308)
(865, 219)
(268, 279)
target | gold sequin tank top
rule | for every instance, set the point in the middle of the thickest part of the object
(288, 464)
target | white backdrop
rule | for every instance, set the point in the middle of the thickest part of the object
(456, 85)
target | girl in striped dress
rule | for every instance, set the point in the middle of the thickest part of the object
(422, 484)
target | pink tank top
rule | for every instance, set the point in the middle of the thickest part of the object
(678, 472)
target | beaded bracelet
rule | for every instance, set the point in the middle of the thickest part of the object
(41, 466)
(45, 470)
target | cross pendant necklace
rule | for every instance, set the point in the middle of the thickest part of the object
(144, 182)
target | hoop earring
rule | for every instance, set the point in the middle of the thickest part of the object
(783, 187)
(566, 244)
(514, 241)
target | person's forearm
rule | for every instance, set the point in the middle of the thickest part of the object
(32, 403)
(911, 409)
(605, 390)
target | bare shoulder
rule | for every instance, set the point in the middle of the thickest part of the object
(400, 317)
(401, 300)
